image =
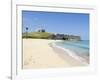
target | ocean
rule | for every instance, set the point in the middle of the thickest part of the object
(80, 48)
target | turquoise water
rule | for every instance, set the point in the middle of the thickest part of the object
(81, 48)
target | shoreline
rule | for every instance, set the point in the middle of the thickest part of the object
(83, 60)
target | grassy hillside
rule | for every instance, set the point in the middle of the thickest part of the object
(39, 35)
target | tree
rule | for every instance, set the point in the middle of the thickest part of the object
(26, 32)
(43, 30)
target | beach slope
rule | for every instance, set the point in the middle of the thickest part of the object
(37, 53)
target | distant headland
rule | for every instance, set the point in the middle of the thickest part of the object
(42, 34)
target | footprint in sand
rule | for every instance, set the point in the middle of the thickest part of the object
(32, 59)
(26, 63)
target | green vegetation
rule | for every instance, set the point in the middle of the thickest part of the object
(46, 35)
(38, 35)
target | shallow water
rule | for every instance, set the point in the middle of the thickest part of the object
(81, 48)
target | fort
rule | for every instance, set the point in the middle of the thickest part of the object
(64, 37)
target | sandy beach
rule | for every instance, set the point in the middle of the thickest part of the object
(38, 53)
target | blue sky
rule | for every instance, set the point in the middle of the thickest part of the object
(57, 22)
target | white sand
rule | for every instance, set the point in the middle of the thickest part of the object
(37, 53)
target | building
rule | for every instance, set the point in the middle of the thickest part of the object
(64, 37)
